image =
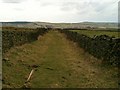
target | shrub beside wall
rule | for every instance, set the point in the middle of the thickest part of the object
(103, 47)
(12, 38)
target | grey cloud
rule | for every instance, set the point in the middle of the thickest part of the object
(86, 8)
(96, 11)
(46, 4)
(12, 1)
(67, 6)
(100, 6)
(81, 6)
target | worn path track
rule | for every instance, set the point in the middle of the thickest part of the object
(61, 64)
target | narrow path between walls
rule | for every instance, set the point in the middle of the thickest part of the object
(61, 65)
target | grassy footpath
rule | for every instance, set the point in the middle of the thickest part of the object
(61, 64)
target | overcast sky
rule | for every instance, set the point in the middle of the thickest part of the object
(59, 10)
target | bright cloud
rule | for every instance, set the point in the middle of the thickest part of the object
(59, 10)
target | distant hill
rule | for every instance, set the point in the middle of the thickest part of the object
(18, 24)
(101, 24)
(82, 25)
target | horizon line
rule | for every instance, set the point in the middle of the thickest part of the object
(65, 22)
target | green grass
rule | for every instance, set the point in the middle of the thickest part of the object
(62, 65)
(91, 33)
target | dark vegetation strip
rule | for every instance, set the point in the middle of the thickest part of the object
(14, 37)
(92, 29)
(103, 47)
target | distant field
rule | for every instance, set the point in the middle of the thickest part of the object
(91, 33)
